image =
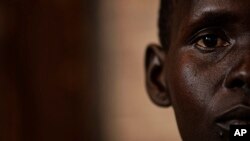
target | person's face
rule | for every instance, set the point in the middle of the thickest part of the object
(205, 72)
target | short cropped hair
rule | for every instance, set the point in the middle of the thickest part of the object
(164, 22)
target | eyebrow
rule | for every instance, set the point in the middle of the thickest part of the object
(212, 18)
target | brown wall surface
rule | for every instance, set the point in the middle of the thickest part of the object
(61, 63)
(45, 70)
(127, 26)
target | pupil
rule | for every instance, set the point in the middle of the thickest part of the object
(210, 40)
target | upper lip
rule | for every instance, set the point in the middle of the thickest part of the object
(239, 114)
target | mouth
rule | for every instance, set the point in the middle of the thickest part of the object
(238, 115)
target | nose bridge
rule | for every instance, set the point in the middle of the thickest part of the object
(243, 54)
(243, 67)
(245, 62)
(239, 75)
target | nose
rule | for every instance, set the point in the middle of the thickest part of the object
(239, 77)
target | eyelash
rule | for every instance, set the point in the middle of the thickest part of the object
(218, 34)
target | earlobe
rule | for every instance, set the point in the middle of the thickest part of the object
(154, 65)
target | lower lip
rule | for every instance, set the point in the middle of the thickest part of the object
(226, 125)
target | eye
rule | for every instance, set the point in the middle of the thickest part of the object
(211, 41)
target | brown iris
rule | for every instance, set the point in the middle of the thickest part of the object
(211, 41)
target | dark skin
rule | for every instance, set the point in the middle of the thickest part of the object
(204, 73)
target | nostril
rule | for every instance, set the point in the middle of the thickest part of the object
(236, 83)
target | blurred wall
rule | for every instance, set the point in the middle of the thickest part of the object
(57, 66)
(127, 26)
(46, 71)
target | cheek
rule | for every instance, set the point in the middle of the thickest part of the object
(192, 85)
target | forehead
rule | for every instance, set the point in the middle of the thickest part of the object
(236, 6)
(197, 7)
(196, 13)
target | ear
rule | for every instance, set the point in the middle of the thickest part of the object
(154, 65)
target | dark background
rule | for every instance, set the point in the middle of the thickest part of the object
(47, 70)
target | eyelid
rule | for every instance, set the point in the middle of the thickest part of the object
(212, 30)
